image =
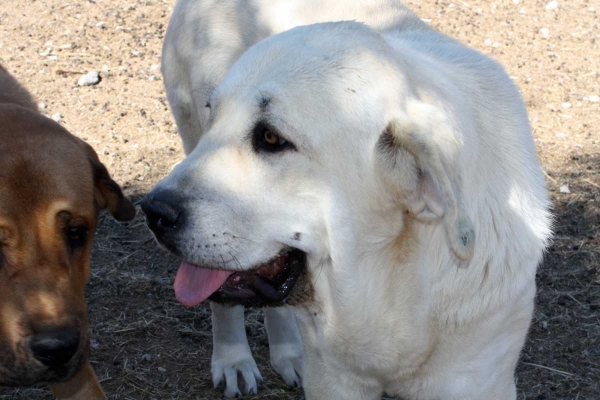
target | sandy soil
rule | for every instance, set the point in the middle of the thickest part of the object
(146, 345)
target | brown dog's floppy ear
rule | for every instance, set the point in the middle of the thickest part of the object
(411, 161)
(108, 194)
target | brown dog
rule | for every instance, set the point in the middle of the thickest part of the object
(52, 187)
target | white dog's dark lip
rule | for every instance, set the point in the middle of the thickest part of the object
(269, 284)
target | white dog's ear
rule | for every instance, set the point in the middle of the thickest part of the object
(412, 163)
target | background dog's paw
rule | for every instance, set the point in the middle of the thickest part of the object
(288, 363)
(225, 376)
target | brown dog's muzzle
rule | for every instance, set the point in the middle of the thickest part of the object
(48, 353)
(56, 347)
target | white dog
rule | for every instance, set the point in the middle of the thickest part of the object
(378, 176)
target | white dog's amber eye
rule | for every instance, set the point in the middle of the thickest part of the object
(266, 139)
(272, 139)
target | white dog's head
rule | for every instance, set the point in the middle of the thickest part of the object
(315, 137)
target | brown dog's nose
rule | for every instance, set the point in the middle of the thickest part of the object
(55, 348)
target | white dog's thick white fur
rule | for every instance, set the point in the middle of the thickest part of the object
(414, 187)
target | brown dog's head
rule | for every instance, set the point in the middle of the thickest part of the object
(52, 187)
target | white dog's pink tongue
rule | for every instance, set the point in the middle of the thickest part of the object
(194, 284)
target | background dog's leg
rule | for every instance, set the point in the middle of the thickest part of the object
(83, 386)
(231, 353)
(285, 344)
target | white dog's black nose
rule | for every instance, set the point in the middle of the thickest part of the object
(162, 211)
(55, 348)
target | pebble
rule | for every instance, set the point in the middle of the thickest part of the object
(523, 10)
(565, 189)
(101, 24)
(57, 117)
(146, 357)
(154, 67)
(91, 78)
(42, 106)
(105, 68)
(161, 369)
(562, 135)
(592, 10)
(153, 77)
(66, 46)
(553, 5)
(566, 105)
(545, 32)
(594, 99)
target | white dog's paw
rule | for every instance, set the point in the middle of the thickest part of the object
(225, 374)
(286, 360)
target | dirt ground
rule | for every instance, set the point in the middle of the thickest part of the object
(146, 345)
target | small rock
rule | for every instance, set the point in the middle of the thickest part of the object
(488, 42)
(523, 10)
(42, 106)
(161, 369)
(553, 5)
(153, 77)
(562, 135)
(129, 7)
(154, 67)
(57, 117)
(53, 58)
(66, 46)
(545, 32)
(566, 105)
(592, 10)
(91, 78)
(516, 1)
(48, 44)
(146, 357)
(544, 324)
(46, 52)
(101, 24)
(105, 68)
(594, 99)
(565, 189)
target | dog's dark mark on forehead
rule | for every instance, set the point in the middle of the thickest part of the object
(297, 236)
(264, 103)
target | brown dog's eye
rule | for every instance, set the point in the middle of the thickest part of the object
(76, 236)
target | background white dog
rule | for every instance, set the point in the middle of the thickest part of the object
(380, 177)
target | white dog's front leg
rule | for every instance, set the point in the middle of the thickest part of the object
(285, 344)
(231, 353)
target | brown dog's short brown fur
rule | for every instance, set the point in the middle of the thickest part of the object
(52, 187)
